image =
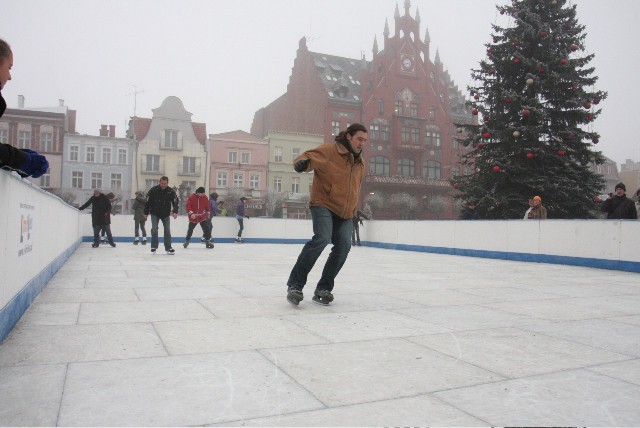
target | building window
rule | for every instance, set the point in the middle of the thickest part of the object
(254, 181)
(232, 157)
(295, 152)
(170, 139)
(222, 180)
(433, 78)
(277, 184)
(384, 133)
(189, 186)
(432, 114)
(406, 167)
(76, 179)
(413, 110)
(188, 165)
(90, 155)
(106, 155)
(153, 163)
(431, 169)
(379, 165)
(24, 139)
(456, 143)
(277, 152)
(399, 108)
(410, 135)
(46, 142)
(455, 171)
(432, 138)
(374, 132)
(45, 179)
(245, 157)
(335, 128)
(96, 180)
(4, 136)
(295, 184)
(74, 153)
(148, 184)
(380, 107)
(116, 181)
(238, 180)
(122, 156)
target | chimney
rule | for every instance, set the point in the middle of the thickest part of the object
(103, 131)
(112, 131)
(71, 122)
(60, 102)
(20, 101)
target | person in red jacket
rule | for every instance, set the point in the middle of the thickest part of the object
(198, 212)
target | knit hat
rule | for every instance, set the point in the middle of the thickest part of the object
(200, 190)
(244, 198)
(620, 186)
(537, 198)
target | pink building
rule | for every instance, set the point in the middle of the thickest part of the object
(239, 167)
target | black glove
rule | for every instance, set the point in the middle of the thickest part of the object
(35, 165)
(301, 165)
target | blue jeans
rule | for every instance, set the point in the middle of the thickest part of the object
(139, 226)
(106, 228)
(327, 227)
(166, 225)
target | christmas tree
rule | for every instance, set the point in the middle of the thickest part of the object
(535, 99)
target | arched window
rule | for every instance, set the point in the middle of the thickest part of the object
(379, 165)
(406, 167)
(431, 169)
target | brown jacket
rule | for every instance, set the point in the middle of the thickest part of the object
(337, 178)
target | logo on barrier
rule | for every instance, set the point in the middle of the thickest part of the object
(26, 229)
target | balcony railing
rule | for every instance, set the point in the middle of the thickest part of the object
(404, 180)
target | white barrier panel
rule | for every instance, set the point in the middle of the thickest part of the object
(39, 232)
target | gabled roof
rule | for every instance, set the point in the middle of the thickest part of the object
(237, 136)
(339, 75)
(142, 125)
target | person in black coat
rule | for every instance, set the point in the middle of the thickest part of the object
(100, 216)
(618, 206)
(162, 202)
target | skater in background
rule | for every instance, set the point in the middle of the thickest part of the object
(198, 213)
(357, 222)
(240, 216)
(214, 210)
(536, 210)
(618, 206)
(100, 216)
(162, 203)
(339, 167)
(139, 219)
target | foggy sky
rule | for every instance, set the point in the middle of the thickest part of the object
(226, 59)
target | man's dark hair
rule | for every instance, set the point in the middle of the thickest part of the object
(164, 178)
(352, 130)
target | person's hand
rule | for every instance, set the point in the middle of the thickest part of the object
(301, 165)
(36, 165)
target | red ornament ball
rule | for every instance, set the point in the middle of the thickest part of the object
(543, 34)
(574, 86)
(595, 139)
(509, 100)
(526, 112)
(530, 155)
(516, 60)
(589, 117)
(541, 70)
(574, 47)
(496, 168)
(563, 61)
(597, 200)
(516, 42)
(474, 112)
(491, 71)
(481, 145)
(486, 135)
(456, 185)
(596, 101)
(560, 152)
(476, 96)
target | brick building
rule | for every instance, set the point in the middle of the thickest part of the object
(409, 104)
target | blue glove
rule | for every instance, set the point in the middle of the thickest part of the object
(35, 165)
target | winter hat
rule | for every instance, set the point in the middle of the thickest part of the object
(537, 198)
(620, 186)
(214, 196)
(200, 190)
(244, 198)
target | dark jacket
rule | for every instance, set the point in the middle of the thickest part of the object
(100, 209)
(138, 208)
(620, 207)
(161, 203)
(337, 178)
(240, 209)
